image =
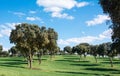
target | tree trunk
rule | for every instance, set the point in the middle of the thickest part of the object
(110, 58)
(95, 59)
(51, 56)
(84, 55)
(80, 57)
(30, 60)
(39, 59)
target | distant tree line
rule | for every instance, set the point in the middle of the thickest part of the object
(84, 49)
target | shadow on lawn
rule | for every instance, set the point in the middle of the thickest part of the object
(86, 64)
(108, 62)
(83, 73)
(116, 72)
(101, 69)
(12, 63)
(67, 60)
(106, 59)
(41, 59)
(71, 58)
(6, 60)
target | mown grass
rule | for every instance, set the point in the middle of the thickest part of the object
(63, 65)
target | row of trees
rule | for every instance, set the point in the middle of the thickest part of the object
(101, 50)
(30, 39)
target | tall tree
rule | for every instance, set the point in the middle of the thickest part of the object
(25, 37)
(112, 8)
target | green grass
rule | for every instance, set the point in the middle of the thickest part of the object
(67, 65)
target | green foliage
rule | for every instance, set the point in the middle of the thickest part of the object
(52, 45)
(1, 48)
(82, 48)
(112, 8)
(25, 36)
(68, 49)
(104, 48)
(13, 51)
(4, 54)
(30, 38)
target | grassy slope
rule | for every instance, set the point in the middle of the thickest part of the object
(59, 66)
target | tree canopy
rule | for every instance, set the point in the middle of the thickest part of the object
(30, 38)
(1, 48)
(112, 8)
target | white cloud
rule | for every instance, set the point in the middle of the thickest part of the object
(82, 4)
(86, 39)
(5, 49)
(19, 14)
(64, 15)
(5, 32)
(33, 18)
(97, 20)
(1, 35)
(56, 7)
(11, 25)
(106, 34)
(63, 42)
(32, 12)
(6, 29)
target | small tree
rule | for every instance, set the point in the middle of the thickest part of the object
(68, 49)
(93, 49)
(13, 51)
(111, 53)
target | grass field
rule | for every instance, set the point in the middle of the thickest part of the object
(68, 65)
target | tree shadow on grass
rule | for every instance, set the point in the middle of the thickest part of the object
(83, 73)
(38, 59)
(65, 60)
(101, 69)
(85, 64)
(107, 59)
(116, 72)
(72, 61)
(13, 63)
(6, 60)
(109, 62)
(72, 58)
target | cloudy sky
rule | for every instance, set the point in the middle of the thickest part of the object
(76, 21)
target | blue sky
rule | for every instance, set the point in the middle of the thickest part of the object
(76, 21)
